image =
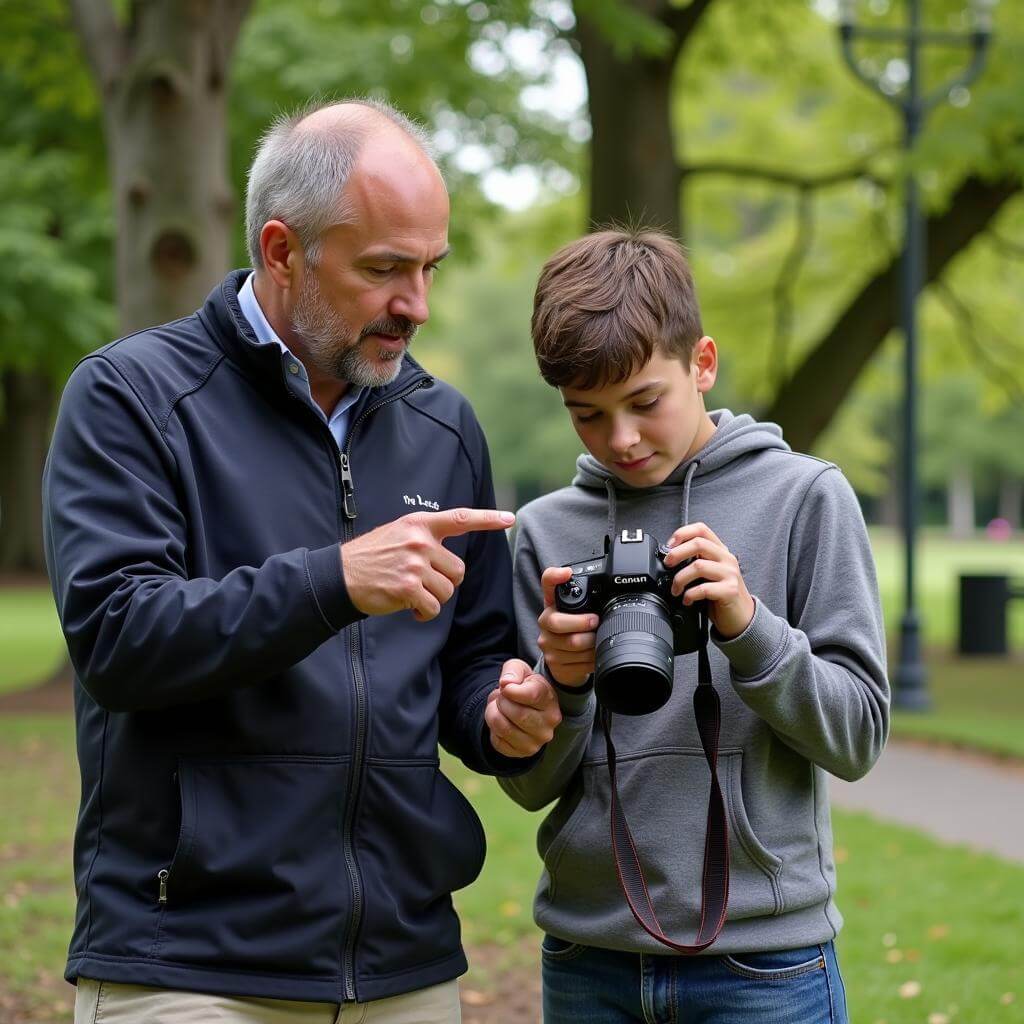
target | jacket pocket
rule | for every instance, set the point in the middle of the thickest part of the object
(257, 880)
(418, 840)
(664, 797)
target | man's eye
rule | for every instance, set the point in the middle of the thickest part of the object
(380, 271)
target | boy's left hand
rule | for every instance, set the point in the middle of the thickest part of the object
(730, 606)
(522, 712)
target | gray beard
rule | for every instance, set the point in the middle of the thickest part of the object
(330, 345)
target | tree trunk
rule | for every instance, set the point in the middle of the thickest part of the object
(28, 403)
(162, 78)
(960, 502)
(634, 175)
(1011, 498)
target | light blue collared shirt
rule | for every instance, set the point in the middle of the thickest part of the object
(295, 372)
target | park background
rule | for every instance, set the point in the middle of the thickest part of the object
(732, 123)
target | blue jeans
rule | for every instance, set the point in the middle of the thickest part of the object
(603, 986)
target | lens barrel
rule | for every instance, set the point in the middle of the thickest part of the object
(634, 659)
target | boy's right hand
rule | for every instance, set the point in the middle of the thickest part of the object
(567, 641)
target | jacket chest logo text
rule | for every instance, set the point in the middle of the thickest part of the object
(421, 502)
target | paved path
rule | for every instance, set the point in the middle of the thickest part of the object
(955, 797)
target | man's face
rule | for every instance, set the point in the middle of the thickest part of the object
(358, 308)
(644, 427)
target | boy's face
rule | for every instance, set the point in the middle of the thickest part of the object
(645, 426)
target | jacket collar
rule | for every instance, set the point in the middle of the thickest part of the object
(223, 317)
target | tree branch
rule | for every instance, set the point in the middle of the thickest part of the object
(1001, 376)
(807, 401)
(775, 176)
(102, 39)
(682, 21)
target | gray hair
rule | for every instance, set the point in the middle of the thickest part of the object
(298, 175)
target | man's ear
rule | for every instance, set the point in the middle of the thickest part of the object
(282, 253)
(705, 363)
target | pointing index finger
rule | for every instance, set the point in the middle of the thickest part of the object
(454, 522)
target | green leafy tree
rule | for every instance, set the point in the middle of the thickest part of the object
(54, 234)
(738, 124)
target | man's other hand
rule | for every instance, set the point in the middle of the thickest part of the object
(522, 713)
(404, 564)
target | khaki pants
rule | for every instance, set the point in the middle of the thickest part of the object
(106, 1002)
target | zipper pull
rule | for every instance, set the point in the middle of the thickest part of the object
(163, 876)
(348, 488)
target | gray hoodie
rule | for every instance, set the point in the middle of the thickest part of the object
(803, 689)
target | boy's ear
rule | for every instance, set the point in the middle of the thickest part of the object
(705, 363)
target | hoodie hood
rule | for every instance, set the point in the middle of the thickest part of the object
(734, 437)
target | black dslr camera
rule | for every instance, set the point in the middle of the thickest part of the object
(643, 625)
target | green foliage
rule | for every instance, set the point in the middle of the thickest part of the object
(481, 57)
(768, 91)
(55, 224)
(632, 32)
(31, 643)
(479, 339)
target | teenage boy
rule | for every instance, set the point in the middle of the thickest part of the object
(772, 545)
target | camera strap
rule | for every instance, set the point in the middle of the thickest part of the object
(707, 709)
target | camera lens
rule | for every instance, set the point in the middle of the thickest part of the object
(634, 658)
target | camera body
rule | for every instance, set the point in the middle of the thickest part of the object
(643, 625)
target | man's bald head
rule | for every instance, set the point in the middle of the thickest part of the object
(303, 163)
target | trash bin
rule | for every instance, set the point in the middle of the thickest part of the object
(983, 603)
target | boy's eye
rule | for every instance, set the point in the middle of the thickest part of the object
(649, 405)
(580, 418)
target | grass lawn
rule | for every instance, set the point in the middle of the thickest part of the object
(31, 645)
(933, 934)
(940, 563)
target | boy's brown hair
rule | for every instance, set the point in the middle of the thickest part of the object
(606, 302)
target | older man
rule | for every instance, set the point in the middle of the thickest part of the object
(273, 548)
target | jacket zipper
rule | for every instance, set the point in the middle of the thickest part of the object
(359, 685)
(162, 877)
(348, 484)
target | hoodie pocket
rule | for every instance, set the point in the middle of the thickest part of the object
(257, 880)
(418, 840)
(664, 796)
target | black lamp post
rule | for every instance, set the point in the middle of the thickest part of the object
(911, 690)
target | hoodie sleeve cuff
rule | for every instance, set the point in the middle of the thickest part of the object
(758, 647)
(573, 701)
(327, 578)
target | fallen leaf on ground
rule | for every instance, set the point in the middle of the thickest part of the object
(473, 997)
(910, 989)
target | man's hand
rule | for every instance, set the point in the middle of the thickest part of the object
(567, 641)
(522, 712)
(403, 564)
(730, 606)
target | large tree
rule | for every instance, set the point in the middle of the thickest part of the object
(684, 94)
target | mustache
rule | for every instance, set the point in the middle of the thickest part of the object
(397, 327)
